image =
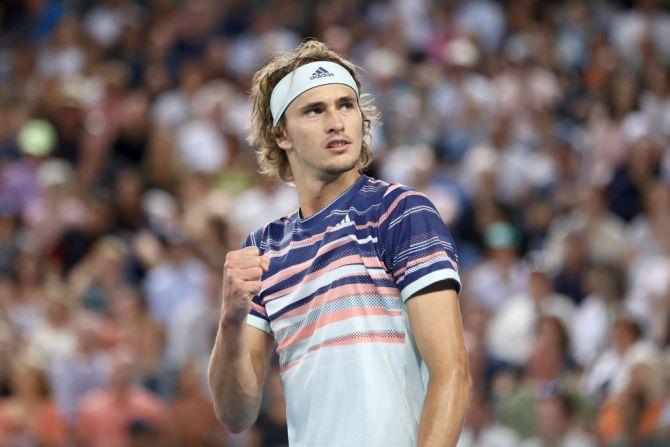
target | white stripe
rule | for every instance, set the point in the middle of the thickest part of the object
(427, 280)
(309, 287)
(422, 266)
(253, 320)
(322, 249)
(421, 246)
(412, 210)
(352, 209)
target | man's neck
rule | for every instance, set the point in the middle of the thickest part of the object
(315, 194)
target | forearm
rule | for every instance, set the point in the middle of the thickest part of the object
(444, 408)
(232, 379)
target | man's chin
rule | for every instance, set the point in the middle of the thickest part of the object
(336, 170)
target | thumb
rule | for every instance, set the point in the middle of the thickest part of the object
(265, 261)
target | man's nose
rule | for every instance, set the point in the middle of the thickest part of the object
(334, 121)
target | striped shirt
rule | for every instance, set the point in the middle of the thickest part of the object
(334, 301)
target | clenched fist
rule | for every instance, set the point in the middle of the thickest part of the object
(242, 274)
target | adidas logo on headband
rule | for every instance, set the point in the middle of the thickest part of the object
(320, 73)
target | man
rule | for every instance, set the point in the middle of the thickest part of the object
(358, 288)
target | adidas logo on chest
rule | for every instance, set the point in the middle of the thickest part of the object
(345, 221)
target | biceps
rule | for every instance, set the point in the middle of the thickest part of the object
(260, 349)
(438, 329)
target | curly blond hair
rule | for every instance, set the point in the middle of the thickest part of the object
(272, 160)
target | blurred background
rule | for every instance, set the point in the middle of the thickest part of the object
(540, 129)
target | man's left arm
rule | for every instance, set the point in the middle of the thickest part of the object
(438, 330)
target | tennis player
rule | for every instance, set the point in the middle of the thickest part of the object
(356, 290)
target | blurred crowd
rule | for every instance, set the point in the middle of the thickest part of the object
(540, 129)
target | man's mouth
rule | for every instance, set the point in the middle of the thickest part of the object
(338, 145)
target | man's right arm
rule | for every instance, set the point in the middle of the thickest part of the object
(241, 352)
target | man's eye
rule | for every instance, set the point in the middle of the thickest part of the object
(347, 105)
(313, 111)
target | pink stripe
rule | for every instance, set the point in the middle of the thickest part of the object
(374, 338)
(347, 260)
(308, 330)
(390, 209)
(353, 340)
(288, 272)
(342, 291)
(258, 308)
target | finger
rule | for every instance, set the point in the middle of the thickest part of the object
(245, 261)
(250, 250)
(252, 287)
(247, 274)
(265, 262)
(246, 251)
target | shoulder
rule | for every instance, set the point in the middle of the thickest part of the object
(274, 234)
(396, 197)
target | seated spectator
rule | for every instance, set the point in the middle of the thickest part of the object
(192, 415)
(610, 374)
(133, 329)
(105, 415)
(604, 233)
(501, 275)
(190, 335)
(550, 357)
(556, 425)
(633, 415)
(85, 371)
(94, 280)
(55, 337)
(571, 277)
(482, 430)
(180, 276)
(510, 331)
(29, 416)
(605, 285)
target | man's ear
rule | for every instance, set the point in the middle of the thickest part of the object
(282, 139)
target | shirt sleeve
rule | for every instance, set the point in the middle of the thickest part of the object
(258, 316)
(417, 248)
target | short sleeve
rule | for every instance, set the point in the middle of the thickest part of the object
(258, 316)
(416, 246)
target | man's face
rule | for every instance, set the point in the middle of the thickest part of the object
(324, 132)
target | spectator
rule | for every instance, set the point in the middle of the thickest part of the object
(510, 331)
(482, 430)
(179, 277)
(555, 419)
(191, 416)
(86, 370)
(105, 415)
(133, 329)
(595, 315)
(502, 275)
(30, 415)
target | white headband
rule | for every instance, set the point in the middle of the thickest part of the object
(304, 78)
